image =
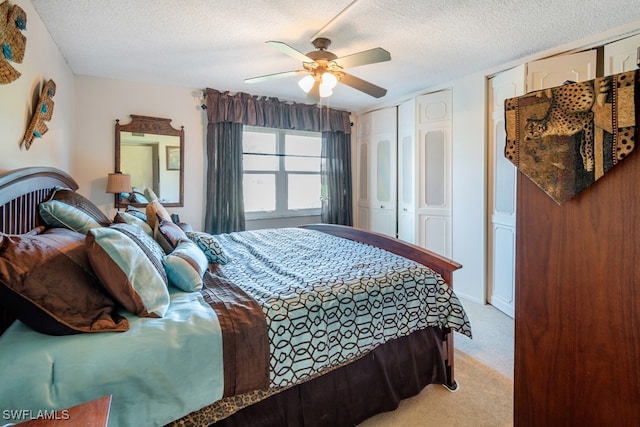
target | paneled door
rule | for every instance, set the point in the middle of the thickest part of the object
(383, 172)
(622, 55)
(501, 240)
(556, 70)
(502, 177)
(407, 171)
(363, 161)
(434, 114)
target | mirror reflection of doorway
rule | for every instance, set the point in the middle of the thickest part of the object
(141, 161)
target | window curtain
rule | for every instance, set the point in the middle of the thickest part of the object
(227, 114)
(335, 172)
(224, 201)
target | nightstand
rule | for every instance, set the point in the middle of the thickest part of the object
(94, 413)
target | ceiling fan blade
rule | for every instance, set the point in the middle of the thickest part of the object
(363, 85)
(288, 50)
(275, 76)
(313, 96)
(365, 57)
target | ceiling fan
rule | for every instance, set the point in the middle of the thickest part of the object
(323, 69)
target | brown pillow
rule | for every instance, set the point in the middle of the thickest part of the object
(47, 282)
(155, 213)
(168, 235)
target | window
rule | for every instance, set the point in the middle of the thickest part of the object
(281, 172)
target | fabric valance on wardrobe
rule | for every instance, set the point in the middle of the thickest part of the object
(271, 112)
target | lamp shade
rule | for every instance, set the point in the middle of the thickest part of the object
(118, 182)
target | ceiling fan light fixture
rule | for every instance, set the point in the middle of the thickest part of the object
(325, 90)
(306, 83)
(329, 80)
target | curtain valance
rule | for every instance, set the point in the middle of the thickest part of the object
(271, 112)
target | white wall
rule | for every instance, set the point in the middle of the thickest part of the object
(100, 101)
(469, 186)
(42, 61)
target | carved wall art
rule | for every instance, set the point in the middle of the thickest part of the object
(13, 21)
(42, 113)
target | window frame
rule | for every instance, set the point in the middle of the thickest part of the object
(282, 190)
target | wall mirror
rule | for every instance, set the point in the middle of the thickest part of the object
(151, 151)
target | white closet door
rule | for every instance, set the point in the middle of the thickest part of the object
(406, 171)
(501, 240)
(541, 74)
(434, 172)
(363, 186)
(383, 172)
(622, 55)
(555, 70)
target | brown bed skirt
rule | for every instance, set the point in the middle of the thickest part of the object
(348, 395)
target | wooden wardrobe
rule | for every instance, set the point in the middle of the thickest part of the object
(577, 317)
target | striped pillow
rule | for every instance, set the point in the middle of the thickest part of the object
(129, 263)
(185, 266)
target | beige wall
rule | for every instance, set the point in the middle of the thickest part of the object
(99, 102)
(42, 61)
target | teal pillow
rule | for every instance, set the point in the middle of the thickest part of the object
(185, 266)
(131, 210)
(127, 218)
(209, 245)
(68, 209)
(129, 263)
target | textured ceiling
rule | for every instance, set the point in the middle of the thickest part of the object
(217, 44)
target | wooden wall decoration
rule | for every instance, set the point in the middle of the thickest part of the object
(567, 137)
(42, 113)
(13, 20)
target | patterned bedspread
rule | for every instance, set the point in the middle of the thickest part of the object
(327, 299)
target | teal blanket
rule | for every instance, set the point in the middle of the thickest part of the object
(328, 300)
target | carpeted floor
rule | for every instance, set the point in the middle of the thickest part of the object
(484, 372)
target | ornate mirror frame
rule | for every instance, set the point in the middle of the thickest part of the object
(155, 126)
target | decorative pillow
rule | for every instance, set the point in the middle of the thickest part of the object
(68, 209)
(129, 263)
(185, 226)
(156, 212)
(132, 210)
(185, 266)
(125, 218)
(47, 282)
(209, 245)
(168, 235)
(150, 194)
(137, 196)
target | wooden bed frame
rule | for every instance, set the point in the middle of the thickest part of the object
(21, 190)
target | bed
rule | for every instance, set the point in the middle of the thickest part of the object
(231, 351)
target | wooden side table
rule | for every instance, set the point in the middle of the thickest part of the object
(94, 413)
